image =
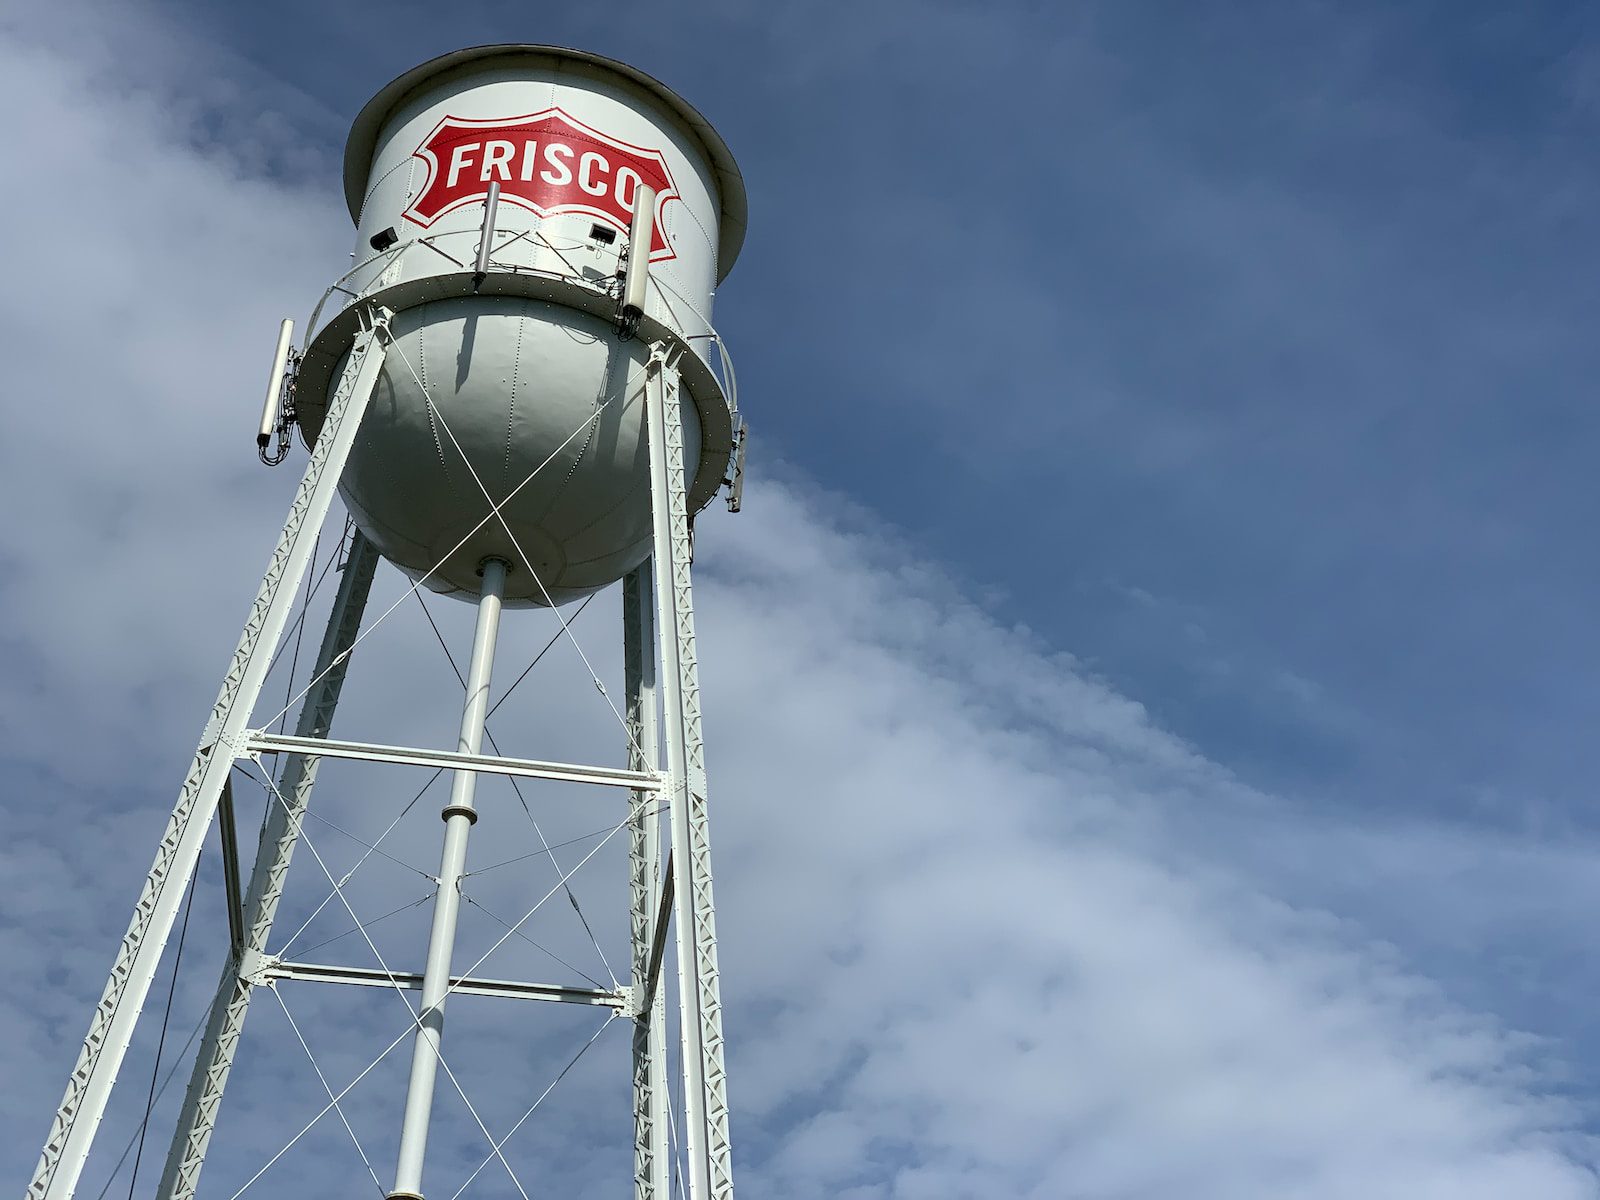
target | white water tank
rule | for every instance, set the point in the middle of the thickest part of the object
(516, 387)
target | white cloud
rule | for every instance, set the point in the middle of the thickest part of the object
(973, 942)
(1007, 975)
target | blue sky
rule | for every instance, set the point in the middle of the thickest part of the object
(1206, 390)
(1238, 349)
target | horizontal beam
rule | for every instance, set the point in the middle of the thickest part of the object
(467, 985)
(452, 760)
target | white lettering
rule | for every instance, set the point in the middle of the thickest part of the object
(497, 159)
(460, 158)
(628, 182)
(586, 179)
(530, 158)
(560, 173)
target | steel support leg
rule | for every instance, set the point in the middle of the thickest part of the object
(651, 1162)
(73, 1127)
(459, 816)
(280, 832)
(700, 1001)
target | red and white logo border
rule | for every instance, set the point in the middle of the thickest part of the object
(435, 169)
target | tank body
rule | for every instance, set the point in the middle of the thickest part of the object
(520, 393)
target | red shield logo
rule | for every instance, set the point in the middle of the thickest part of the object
(548, 162)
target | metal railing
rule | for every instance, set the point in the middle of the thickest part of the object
(460, 248)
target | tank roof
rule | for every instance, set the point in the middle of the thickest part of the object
(369, 122)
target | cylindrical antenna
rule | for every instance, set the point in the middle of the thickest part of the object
(640, 230)
(490, 203)
(269, 406)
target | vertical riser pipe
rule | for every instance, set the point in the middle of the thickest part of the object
(459, 815)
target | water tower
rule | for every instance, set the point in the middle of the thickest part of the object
(519, 394)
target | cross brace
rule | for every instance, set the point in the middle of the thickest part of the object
(230, 867)
(658, 940)
(275, 743)
(468, 985)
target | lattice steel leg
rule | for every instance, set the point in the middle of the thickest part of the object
(700, 1001)
(279, 834)
(73, 1127)
(651, 1163)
